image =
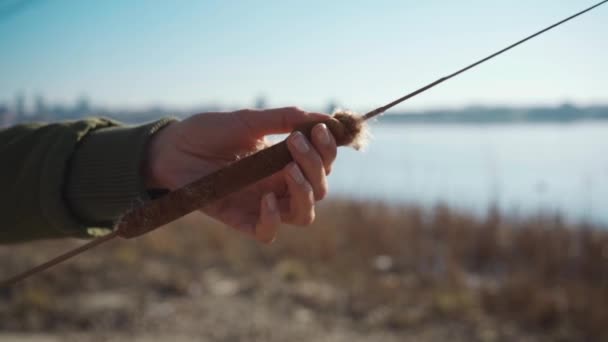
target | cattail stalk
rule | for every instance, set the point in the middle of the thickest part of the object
(345, 127)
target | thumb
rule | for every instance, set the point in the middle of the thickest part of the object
(278, 120)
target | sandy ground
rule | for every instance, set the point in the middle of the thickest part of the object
(224, 308)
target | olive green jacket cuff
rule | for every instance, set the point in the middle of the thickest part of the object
(105, 173)
(70, 178)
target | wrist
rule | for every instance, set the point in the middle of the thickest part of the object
(154, 166)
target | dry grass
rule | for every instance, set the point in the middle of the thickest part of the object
(368, 267)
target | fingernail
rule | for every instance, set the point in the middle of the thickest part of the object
(296, 174)
(300, 142)
(322, 134)
(271, 202)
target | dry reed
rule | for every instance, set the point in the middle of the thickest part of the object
(382, 268)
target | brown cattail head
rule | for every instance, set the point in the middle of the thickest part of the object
(346, 128)
(354, 129)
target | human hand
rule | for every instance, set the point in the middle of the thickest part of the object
(188, 150)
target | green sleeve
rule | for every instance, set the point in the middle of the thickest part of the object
(69, 179)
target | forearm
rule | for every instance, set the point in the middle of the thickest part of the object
(69, 178)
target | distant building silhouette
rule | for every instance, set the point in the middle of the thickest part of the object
(332, 105)
(83, 107)
(261, 102)
(20, 105)
(40, 106)
(17, 112)
(4, 116)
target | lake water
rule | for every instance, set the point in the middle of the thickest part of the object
(523, 168)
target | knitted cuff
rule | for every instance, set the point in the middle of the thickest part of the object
(105, 177)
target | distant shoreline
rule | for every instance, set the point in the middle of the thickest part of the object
(476, 115)
(565, 113)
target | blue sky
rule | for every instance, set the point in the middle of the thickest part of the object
(360, 53)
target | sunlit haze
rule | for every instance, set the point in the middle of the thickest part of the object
(190, 53)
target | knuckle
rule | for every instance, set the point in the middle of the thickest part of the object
(306, 213)
(305, 219)
(267, 240)
(310, 193)
(321, 192)
(331, 152)
(269, 235)
(244, 112)
(320, 195)
(315, 160)
(297, 113)
(328, 153)
(308, 218)
(295, 109)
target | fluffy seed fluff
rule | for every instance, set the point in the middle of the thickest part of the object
(355, 128)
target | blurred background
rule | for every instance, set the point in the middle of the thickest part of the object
(477, 212)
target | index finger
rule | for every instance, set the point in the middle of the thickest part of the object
(278, 120)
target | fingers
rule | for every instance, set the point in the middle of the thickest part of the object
(299, 211)
(306, 182)
(276, 121)
(325, 144)
(315, 159)
(270, 219)
(310, 163)
(301, 198)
